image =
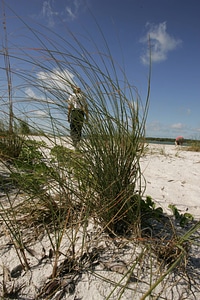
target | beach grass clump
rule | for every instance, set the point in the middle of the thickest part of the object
(112, 148)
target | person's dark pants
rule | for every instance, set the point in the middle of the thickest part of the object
(76, 124)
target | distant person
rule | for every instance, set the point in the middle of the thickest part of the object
(179, 141)
(77, 111)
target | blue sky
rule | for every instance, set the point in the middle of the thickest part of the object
(174, 29)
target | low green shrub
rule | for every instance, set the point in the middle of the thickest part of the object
(61, 154)
(149, 210)
(183, 219)
(30, 155)
(31, 171)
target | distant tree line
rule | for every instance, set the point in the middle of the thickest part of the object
(19, 127)
(166, 140)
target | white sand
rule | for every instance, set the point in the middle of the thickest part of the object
(172, 177)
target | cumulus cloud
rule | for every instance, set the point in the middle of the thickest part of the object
(56, 79)
(52, 85)
(35, 95)
(161, 43)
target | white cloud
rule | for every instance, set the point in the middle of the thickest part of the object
(52, 85)
(68, 11)
(48, 12)
(39, 114)
(56, 79)
(160, 41)
(177, 126)
(30, 93)
(73, 8)
(70, 14)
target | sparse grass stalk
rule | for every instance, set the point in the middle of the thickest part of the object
(58, 243)
(161, 278)
(186, 238)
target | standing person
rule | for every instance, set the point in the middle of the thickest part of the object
(179, 141)
(77, 111)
